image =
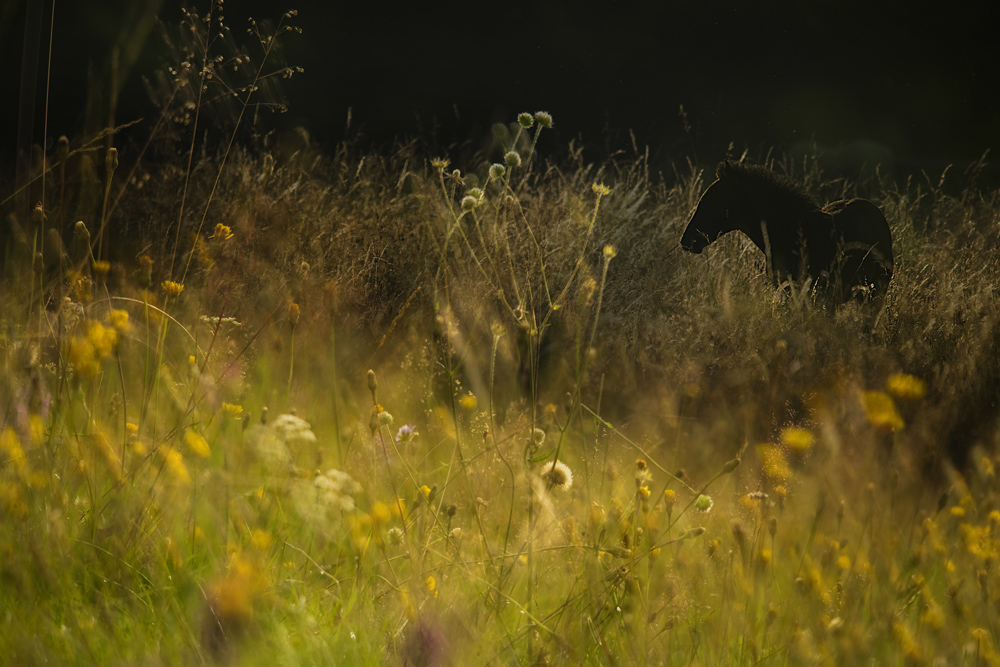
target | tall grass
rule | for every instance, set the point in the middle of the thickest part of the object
(510, 422)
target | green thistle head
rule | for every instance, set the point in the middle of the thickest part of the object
(543, 118)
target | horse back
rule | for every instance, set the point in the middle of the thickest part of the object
(865, 241)
(861, 225)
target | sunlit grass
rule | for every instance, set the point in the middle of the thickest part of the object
(376, 407)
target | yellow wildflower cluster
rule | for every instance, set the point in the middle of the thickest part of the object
(10, 447)
(233, 596)
(118, 319)
(431, 585)
(86, 352)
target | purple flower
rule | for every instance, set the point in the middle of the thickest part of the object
(406, 433)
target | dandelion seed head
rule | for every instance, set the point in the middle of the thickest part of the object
(557, 475)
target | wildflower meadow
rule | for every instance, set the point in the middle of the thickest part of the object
(268, 404)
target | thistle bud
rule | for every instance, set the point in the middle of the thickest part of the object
(525, 120)
(145, 271)
(512, 159)
(111, 161)
(62, 149)
(267, 170)
(372, 384)
(731, 466)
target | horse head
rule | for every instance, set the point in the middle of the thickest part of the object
(711, 218)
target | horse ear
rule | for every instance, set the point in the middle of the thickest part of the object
(724, 170)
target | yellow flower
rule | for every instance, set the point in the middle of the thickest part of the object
(881, 410)
(175, 465)
(232, 410)
(233, 596)
(197, 444)
(906, 386)
(261, 539)
(468, 402)
(933, 616)
(118, 319)
(431, 585)
(380, 514)
(773, 463)
(11, 447)
(171, 288)
(222, 232)
(86, 352)
(797, 440)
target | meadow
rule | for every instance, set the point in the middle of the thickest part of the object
(267, 405)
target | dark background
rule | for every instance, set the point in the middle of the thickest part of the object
(915, 85)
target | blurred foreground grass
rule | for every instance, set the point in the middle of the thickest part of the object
(575, 443)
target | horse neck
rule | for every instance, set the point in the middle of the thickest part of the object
(759, 208)
(753, 211)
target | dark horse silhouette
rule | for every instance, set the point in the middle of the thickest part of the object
(845, 247)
